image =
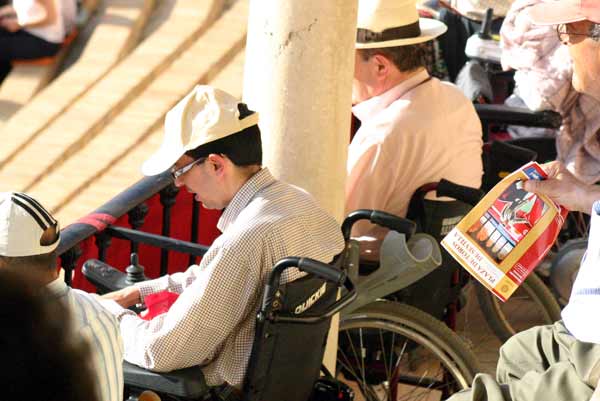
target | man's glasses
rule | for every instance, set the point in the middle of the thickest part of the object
(567, 34)
(176, 173)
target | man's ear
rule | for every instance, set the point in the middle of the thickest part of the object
(217, 162)
(381, 65)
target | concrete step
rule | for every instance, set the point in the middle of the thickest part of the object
(124, 172)
(218, 46)
(78, 125)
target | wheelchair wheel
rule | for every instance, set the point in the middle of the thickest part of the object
(531, 305)
(391, 351)
(565, 267)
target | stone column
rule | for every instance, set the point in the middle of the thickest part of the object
(298, 76)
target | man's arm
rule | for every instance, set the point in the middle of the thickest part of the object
(580, 314)
(204, 315)
(584, 303)
(101, 331)
(135, 294)
(370, 184)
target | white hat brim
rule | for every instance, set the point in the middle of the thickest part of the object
(430, 29)
(163, 159)
(555, 13)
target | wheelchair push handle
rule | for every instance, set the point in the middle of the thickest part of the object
(486, 25)
(313, 267)
(462, 193)
(310, 266)
(383, 219)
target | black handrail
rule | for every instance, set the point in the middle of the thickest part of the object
(166, 243)
(116, 207)
(132, 202)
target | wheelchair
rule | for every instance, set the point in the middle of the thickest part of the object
(448, 283)
(389, 350)
(383, 346)
(288, 345)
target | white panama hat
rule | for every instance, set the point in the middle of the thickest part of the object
(23, 222)
(392, 23)
(204, 115)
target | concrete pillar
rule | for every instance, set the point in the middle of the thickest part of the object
(298, 76)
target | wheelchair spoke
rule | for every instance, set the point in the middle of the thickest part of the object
(387, 368)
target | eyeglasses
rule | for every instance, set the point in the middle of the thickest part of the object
(176, 173)
(566, 34)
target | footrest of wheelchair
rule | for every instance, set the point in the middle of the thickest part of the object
(187, 383)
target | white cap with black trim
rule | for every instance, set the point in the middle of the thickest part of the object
(23, 222)
(203, 116)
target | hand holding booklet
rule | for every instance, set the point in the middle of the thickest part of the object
(504, 237)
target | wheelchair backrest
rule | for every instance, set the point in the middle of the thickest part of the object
(436, 218)
(502, 158)
(286, 356)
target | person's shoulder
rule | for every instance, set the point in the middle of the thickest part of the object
(275, 207)
(86, 308)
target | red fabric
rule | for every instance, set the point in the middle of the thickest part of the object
(158, 303)
(181, 217)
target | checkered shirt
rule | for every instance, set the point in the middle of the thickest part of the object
(212, 322)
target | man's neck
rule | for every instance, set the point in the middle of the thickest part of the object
(397, 78)
(241, 177)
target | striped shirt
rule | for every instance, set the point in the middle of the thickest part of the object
(580, 316)
(212, 322)
(100, 329)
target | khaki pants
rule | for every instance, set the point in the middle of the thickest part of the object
(544, 363)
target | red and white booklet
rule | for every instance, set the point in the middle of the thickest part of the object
(502, 239)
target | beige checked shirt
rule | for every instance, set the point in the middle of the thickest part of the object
(212, 322)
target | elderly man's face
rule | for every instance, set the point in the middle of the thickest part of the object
(585, 53)
(365, 79)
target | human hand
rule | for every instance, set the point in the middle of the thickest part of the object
(10, 24)
(562, 187)
(125, 297)
(7, 10)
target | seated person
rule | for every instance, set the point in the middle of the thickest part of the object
(29, 236)
(543, 77)
(212, 146)
(42, 359)
(464, 19)
(31, 29)
(414, 129)
(560, 362)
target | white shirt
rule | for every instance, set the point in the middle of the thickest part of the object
(212, 322)
(580, 316)
(101, 330)
(418, 132)
(30, 11)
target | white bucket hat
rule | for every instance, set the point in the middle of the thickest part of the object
(23, 222)
(204, 115)
(565, 12)
(391, 23)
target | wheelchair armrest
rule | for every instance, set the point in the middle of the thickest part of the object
(105, 277)
(187, 383)
(501, 114)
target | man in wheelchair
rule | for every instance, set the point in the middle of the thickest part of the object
(212, 147)
(29, 236)
(414, 129)
(561, 361)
